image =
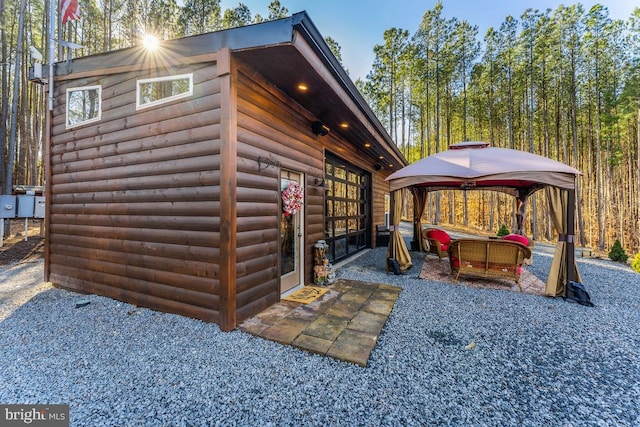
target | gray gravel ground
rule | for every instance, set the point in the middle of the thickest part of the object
(536, 361)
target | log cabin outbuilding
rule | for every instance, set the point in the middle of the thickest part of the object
(166, 168)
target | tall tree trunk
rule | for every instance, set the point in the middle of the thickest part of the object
(601, 206)
(16, 97)
(4, 109)
(638, 169)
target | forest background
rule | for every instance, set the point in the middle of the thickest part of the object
(562, 83)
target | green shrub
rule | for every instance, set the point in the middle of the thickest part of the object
(635, 264)
(617, 252)
(503, 231)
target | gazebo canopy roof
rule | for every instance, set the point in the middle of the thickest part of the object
(475, 165)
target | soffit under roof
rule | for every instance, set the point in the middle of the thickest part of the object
(285, 67)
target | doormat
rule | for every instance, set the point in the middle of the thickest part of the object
(440, 271)
(307, 294)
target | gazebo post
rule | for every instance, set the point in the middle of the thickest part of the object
(521, 203)
(571, 226)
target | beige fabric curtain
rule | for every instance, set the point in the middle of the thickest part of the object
(419, 203)
(397, 248)
(556, 282)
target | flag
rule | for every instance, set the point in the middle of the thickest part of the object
(69, 10)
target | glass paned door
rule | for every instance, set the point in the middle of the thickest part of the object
(291, 231)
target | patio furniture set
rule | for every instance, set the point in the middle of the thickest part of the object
(497, 258)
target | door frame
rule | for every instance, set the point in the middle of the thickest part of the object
(300, 216)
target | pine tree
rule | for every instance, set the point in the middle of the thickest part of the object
(617, 252)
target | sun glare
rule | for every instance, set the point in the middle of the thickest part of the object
(150, 42)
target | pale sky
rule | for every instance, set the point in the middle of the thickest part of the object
(358, 26)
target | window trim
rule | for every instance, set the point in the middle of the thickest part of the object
(139, 82)
(79, 89)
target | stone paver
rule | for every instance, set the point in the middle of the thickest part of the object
(327, 327)
(387, 294)
(344, 309)
(353, 346)
(285, 331)
(380, 306)
(358, 295)
(371, 323)
(344, 323)
(312, 344)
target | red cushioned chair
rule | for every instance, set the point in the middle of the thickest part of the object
(517, 238)
(525, 241)
(438, 242)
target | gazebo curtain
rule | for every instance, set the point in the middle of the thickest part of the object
(556, 282)
(419, 203)
(397, 248)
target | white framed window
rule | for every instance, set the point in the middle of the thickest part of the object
(84, 105)
(158, 90)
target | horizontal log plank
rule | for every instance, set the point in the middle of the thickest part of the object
(66, 278)
(254, 237)
(257, 181)
(168, 209)
(167, 167)
(197, 113)
(256, 279)
(258, 250)
(316, 229)
(140, 156)
(168, 133)
(255, 223)
(193, 194)
(162, 250)
(176, 180)
(248, 164)
(267, 289)
(109, 147)
(168, 265)
(254, 101)
(247, 209)
(254, 265)
(158, 282)
(255, 306)
(190, 223)
(257, 195)
(176, 237)
(259, 142)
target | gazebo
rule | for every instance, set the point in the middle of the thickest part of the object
(477, 166)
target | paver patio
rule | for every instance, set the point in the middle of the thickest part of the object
(344, 323)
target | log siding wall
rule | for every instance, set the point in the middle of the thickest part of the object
(271, 126)
(135, 198)
(169, 208)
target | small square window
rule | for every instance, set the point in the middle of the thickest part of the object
(84, 105)
(150, 92)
